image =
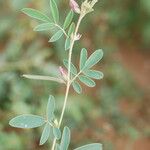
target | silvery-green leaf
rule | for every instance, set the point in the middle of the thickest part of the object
(71, 28)
(68, 19)
(94, 59)
(45, 134)
(94, 74)
(87, 81)
(67, 43)
(36, 14)
(77, 87)
(50, 108)
(57, 133)
(94, 146)
(54, 10)
(65, 140)
(27, 121)
(56, 36)
(73, 69)
(57, 147)
(83, 58)
(44, 26)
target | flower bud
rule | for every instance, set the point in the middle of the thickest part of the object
(78, 36)
(74, 6)
(63, 72)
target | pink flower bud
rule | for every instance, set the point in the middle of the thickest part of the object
(63, 72)
(78, 36)
(74, 6)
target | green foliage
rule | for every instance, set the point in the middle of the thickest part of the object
(50, 108)
(57, 133)
(68, 19)
(77, 87)
(27, 121)
(83, 58)
(45, 134)
(36, 14)
(44, 26)
(54, 11)
(56, 36)
(65, 140)
(94, 146)
(94, 74)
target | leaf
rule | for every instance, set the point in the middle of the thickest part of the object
(73, 69)
(44, 26)
(50, 108)
(67, 44)
(57, 133)
(54, 10)
(57, 147)
(27, 121)
(87, 81)
(56, 36)
(36, 14)
(45, 134)
(83, 58)
(94, 74)
(94, 146)
(77, 87)
(71, 29)
(68, 19)
(65, 140)
(94, 59)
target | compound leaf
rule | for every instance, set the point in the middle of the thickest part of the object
(36, 14)
(67, 43)
(27, 121)
(71, 28)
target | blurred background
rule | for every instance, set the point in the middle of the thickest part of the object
(116, 112)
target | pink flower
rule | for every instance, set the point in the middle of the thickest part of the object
(74, 6)
(78, 36)
(63, 72)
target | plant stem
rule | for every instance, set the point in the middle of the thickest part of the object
(68, 78)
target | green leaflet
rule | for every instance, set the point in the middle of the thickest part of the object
(94, 59)
(67, 43)
(27, 121)
(50, 108)
(77, 87)
(54, 10)
(83, 58)
(71, 29)
(44, 26)
(57, 133)
(36, 14)
(68, 19)
(94, 74)
(94, 146)
(56, 36)
(57, 147)
(45, 134)
(73, 69)
(65, 140)
(87, 81)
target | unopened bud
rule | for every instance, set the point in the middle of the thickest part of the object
(63, 72)
(78, 36)
(74, 6)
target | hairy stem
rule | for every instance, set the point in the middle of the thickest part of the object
(68, 78)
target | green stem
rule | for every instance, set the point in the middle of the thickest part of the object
(68, 78)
